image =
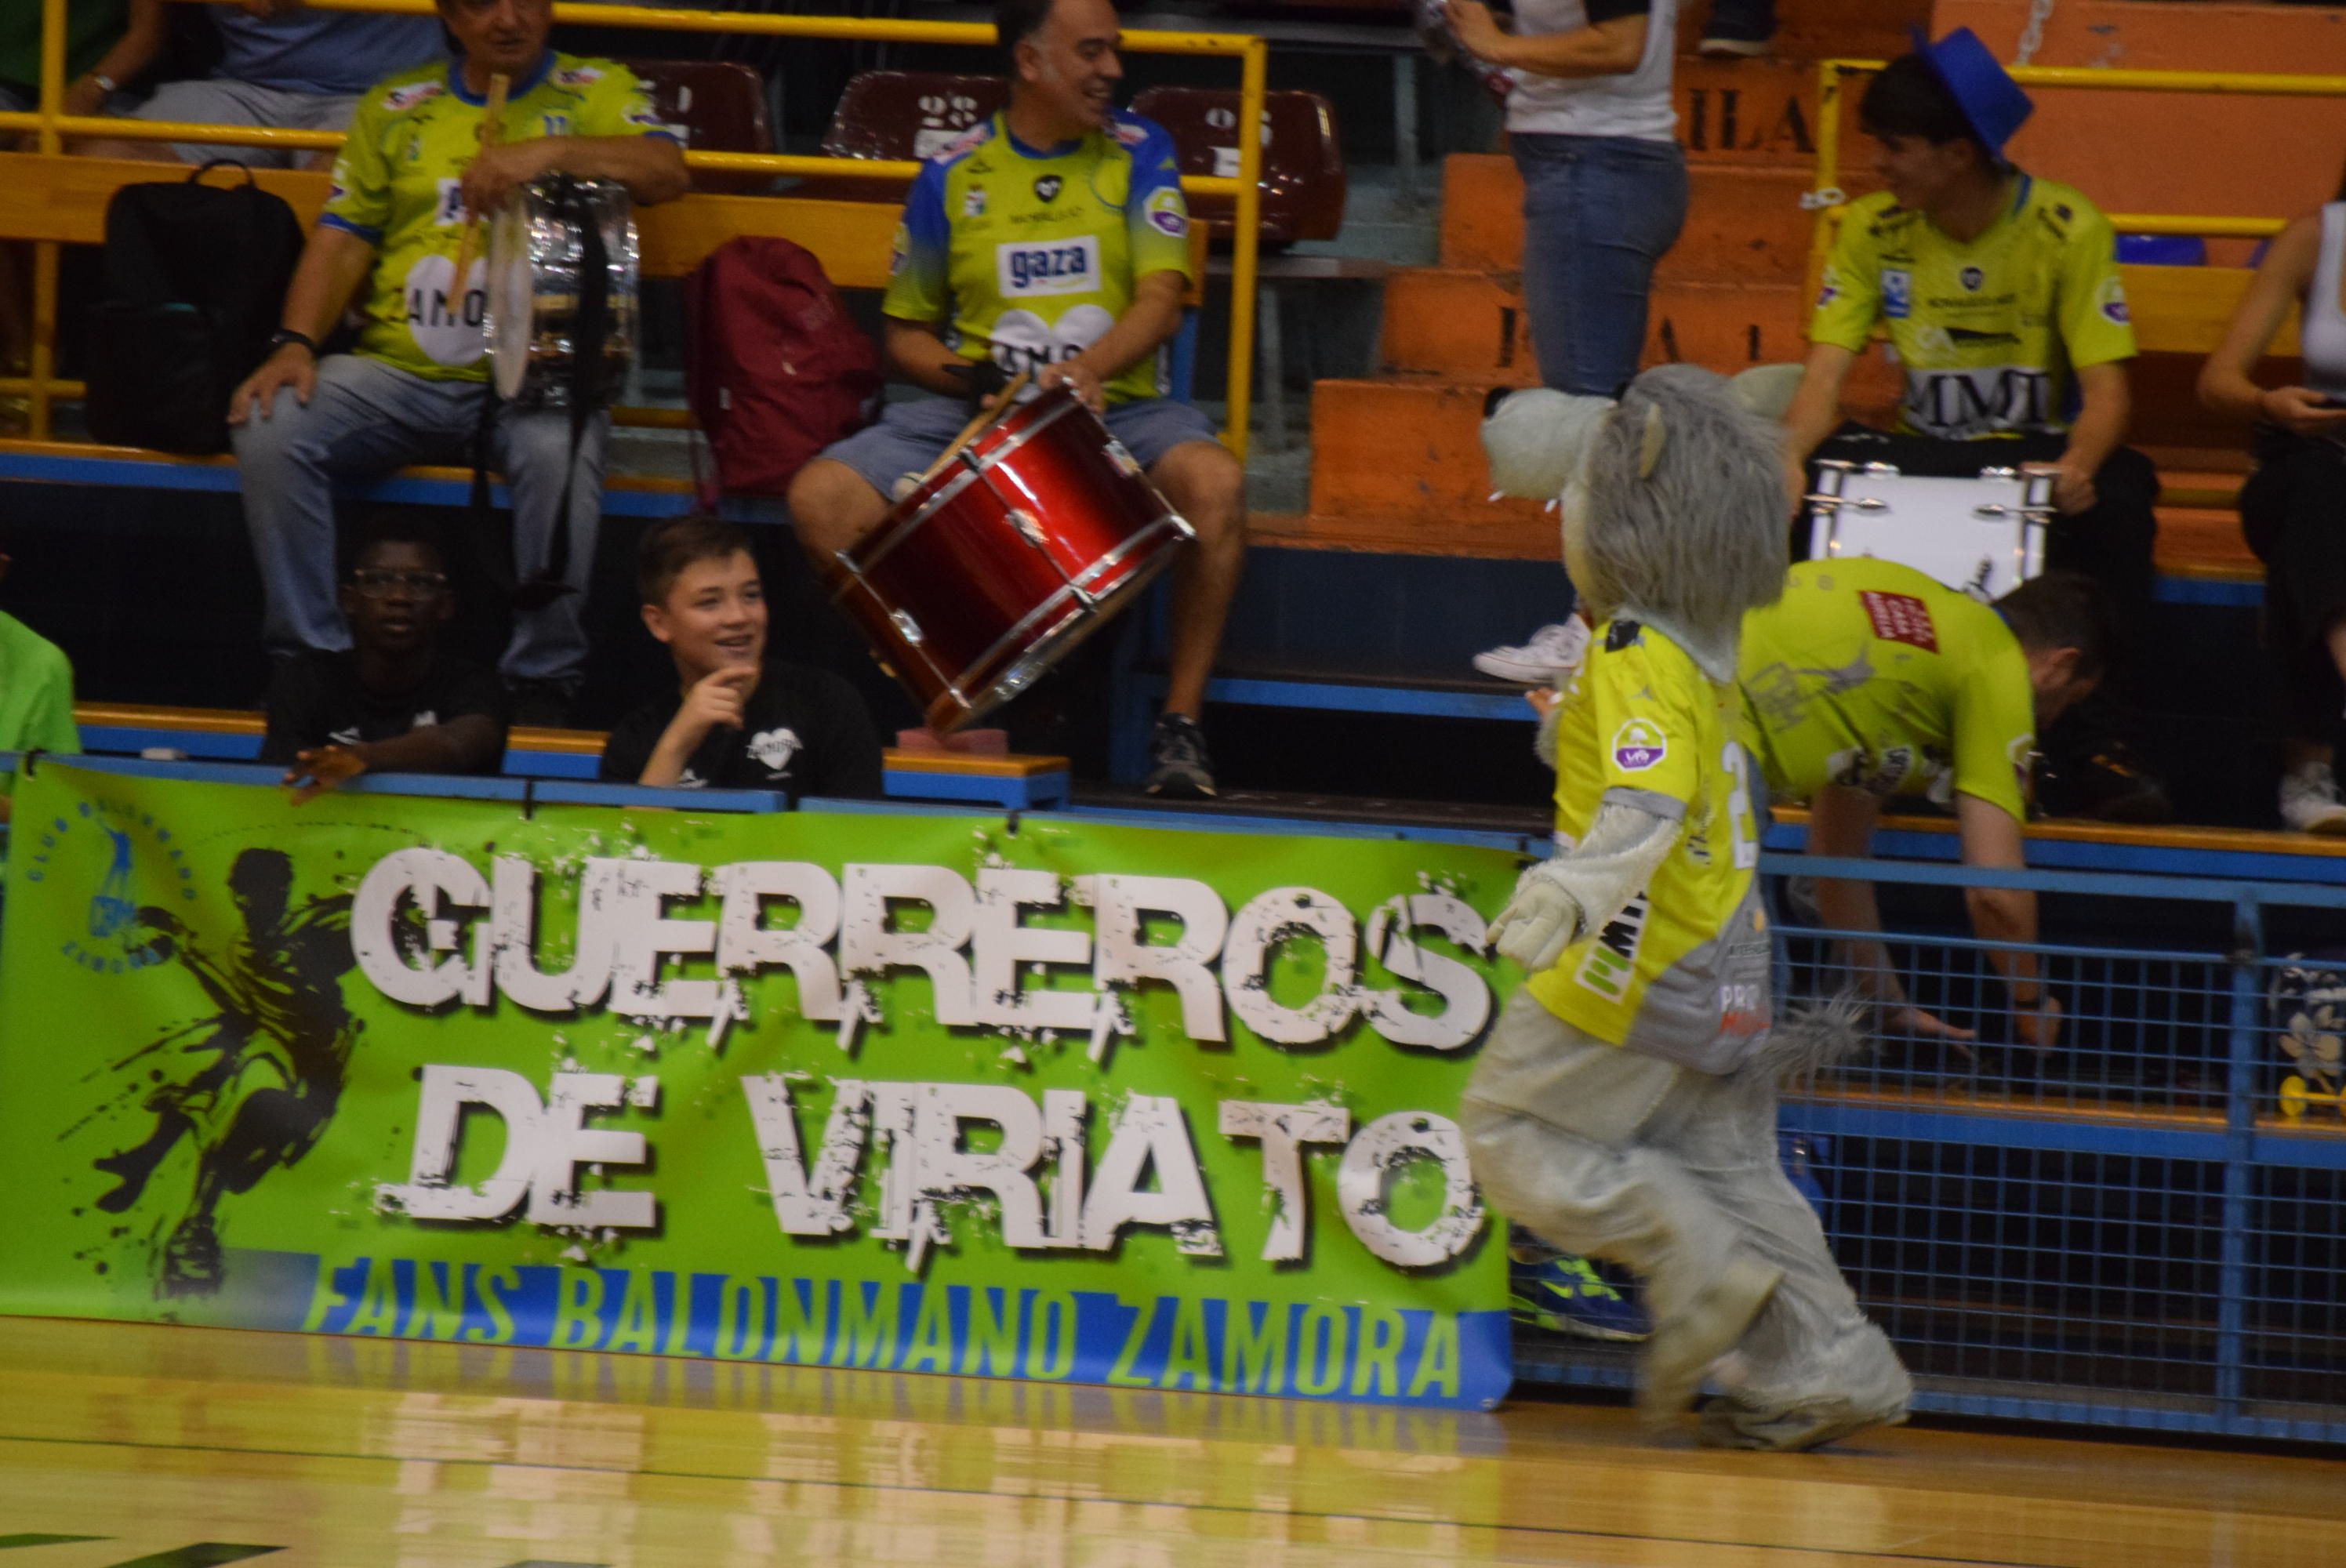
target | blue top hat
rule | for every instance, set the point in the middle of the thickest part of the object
(1992, 102)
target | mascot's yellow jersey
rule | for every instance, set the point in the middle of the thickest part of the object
(1992, 332)
(1870, 675)
(1030, 254)
(1682, 972)
(394, 187)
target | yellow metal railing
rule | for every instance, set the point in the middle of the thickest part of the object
(1832, 74)
(51, 124)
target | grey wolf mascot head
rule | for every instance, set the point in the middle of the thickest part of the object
(1672, 500)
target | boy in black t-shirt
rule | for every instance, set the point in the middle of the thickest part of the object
(392, 702)
(738, 722)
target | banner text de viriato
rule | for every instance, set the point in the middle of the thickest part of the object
(985, 964)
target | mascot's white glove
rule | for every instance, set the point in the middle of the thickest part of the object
(1541, 921)
(1559, 902)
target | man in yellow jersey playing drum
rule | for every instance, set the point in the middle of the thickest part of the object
(2000, 293)
(1623, 1107)
(410, 175)
(1053, 238)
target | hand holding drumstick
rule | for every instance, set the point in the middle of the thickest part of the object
(491, 118)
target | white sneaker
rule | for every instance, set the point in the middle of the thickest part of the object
(2310, 799)
(1554, 655)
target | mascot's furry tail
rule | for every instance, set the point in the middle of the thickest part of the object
(1804, 1043)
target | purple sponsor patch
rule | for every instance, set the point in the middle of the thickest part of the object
(1638, 745)
(1171, 223)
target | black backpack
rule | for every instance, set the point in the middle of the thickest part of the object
(195, 284)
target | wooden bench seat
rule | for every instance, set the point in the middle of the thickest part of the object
(50, 197)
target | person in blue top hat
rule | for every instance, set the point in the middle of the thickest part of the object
(2000, 293)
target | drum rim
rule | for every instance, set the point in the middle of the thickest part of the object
(967, 468)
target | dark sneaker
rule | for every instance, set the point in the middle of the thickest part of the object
(2108, 785)
(1566, 1295)
(540, 703)
(1178, 766)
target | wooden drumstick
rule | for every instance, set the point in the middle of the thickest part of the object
(1008, 396)
(490, 134)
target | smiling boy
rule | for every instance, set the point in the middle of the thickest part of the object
(737, 721)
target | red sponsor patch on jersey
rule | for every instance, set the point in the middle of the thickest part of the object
(1900, 618)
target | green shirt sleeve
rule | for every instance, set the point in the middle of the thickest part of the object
(1157, 215)
(1994, 732)
(1850, 299)
(358, 198)
(620, 105)
(1648, 732)
(39, 717)
(2095, 328)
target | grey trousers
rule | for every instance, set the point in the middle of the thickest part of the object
(367, 418)
(1671, 1174)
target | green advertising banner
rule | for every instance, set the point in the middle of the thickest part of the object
(1043, 1098)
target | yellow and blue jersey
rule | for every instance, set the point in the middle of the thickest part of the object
(394, 186)
(1992, 331)
(1028, 255)
(1869, 675)
(1682, 972)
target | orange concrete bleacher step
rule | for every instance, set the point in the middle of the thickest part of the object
(1398, 462)
(1830, 29)
(1758, 111)
(1743, 222)
(1469, 327)
(2240, 154)
(2204, 542)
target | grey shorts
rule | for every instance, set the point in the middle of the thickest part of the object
(911, 435)
(220, 102)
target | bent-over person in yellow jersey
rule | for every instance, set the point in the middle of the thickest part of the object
(1623, 1107)
(410, 179)
(1051, 240)
(1999, 290)
(1869, 683)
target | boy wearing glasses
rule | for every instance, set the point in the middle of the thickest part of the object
(392, 702)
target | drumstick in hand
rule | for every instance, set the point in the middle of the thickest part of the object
(490, 116)
(1009, 394)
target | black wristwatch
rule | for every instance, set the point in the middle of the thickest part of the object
(284, 335)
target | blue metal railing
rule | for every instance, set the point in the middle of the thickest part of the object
(2144, 1228)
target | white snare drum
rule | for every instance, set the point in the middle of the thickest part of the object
(1983, 535)
(538, 255)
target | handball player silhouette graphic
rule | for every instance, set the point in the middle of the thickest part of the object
(281, 1046)
(110, 907)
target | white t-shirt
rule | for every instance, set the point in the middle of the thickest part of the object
(1633, 104)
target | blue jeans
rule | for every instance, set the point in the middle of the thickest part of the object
(1598, 213)
(367, 418)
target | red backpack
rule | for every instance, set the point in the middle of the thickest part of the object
(774, 366)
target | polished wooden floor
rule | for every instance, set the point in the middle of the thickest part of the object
(182, 1448)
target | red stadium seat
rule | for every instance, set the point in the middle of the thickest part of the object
(1302, 164)
(909, 114)
(721, 104)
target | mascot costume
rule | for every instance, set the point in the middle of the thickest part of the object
(1625, 1107)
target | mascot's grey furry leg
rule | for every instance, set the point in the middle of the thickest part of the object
(1670, 1168)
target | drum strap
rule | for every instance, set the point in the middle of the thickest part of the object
(590, 391)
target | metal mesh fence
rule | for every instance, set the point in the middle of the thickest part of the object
(2138, 1225)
